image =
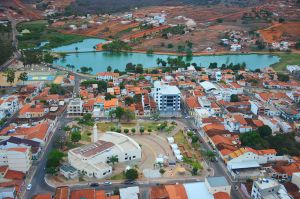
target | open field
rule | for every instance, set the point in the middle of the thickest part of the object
(281, 31)
(39, 32)
(286, 59)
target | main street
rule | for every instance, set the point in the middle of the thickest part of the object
(218, 166)
(37, 178)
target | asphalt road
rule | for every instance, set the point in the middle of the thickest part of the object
(38, 183)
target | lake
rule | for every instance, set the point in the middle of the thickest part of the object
(100, 60)
(83, 46)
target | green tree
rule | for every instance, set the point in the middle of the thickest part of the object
(170, 45)
(133, 130)
(129, 115)
(109, 68)
(126, 131)
(75, 136)
(119, 112)
(150, 51)
(253, 140)
(56, 89)
(283, 77)
(113, 160)
(210, 155)
(264, 131)
(131, 174)
(23, 77)
(53, 161)
(234, 98)
(129, 100)
(10, 76)
(162, 171)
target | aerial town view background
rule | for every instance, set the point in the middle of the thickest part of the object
(150, 99)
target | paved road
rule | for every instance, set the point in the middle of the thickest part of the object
(218, 167)
(37, 180)
(16, 53)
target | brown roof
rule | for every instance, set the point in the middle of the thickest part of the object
(221, 195)
(62, 193)
(159, 192)
(176, 191)
(94, 148)
(87, 194)
(15, 175)
(42, 196)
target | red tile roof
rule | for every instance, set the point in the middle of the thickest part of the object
(221, 195)
(15, 175)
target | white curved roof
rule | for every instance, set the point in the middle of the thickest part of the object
(208, 86)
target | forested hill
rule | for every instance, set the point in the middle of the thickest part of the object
(111, 6)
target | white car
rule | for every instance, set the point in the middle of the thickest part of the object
(29, 187)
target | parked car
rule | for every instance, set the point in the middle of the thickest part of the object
(94, 184)
(130, 182)
(107, 183)
(29, 186)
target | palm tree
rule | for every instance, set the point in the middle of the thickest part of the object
(90, 69)
(23, 77)
(113, 159)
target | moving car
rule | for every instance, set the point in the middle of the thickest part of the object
(107, 183)
(29, 186)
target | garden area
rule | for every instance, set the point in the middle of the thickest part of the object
(137, 127)
(189, 145)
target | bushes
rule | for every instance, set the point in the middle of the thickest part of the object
(126, 131)
(133, 130)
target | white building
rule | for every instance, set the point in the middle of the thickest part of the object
(166, 97)
(75, 106)
(296, 179)
(130, 193)
(18, 159)
(265, 188)
(92, 159)
(8, 106)
(217, 184)
(106, 76)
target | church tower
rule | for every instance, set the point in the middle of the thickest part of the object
(95, 133)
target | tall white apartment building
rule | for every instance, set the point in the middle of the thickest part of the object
(8, 105)
(18, 159)
(75, 106)
(166, 97)
(265, 188)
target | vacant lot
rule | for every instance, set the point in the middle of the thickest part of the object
(281, 31)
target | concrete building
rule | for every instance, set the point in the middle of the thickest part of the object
(265, 188)
(93, 159)
(18, 159)
(296, 179)
(130, 193)
(217, 184)
(68, 171)
(8, 106)
(166, 97)
(75, 106)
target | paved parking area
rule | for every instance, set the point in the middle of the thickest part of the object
(152, 147)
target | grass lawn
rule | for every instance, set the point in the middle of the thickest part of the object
(85, 136)
(40, 32)
(106, 126)
(119, 176)
(180, 140)
(286, 59)
(128, 125)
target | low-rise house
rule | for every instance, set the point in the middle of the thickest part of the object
(217, 184)
(236, 123)
(68, 171)
(33, 111)
(130, 193)
(106, 76)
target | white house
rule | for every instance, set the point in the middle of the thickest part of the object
(271, 122)
(106, 76)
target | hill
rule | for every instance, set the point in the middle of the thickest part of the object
(112, 6)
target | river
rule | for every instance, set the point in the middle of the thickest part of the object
(100, 60)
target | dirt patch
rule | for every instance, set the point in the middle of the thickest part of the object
(281, 31)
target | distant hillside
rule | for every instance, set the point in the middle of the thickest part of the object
(111, 6)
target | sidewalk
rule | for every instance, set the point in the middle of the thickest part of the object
(171, 180)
